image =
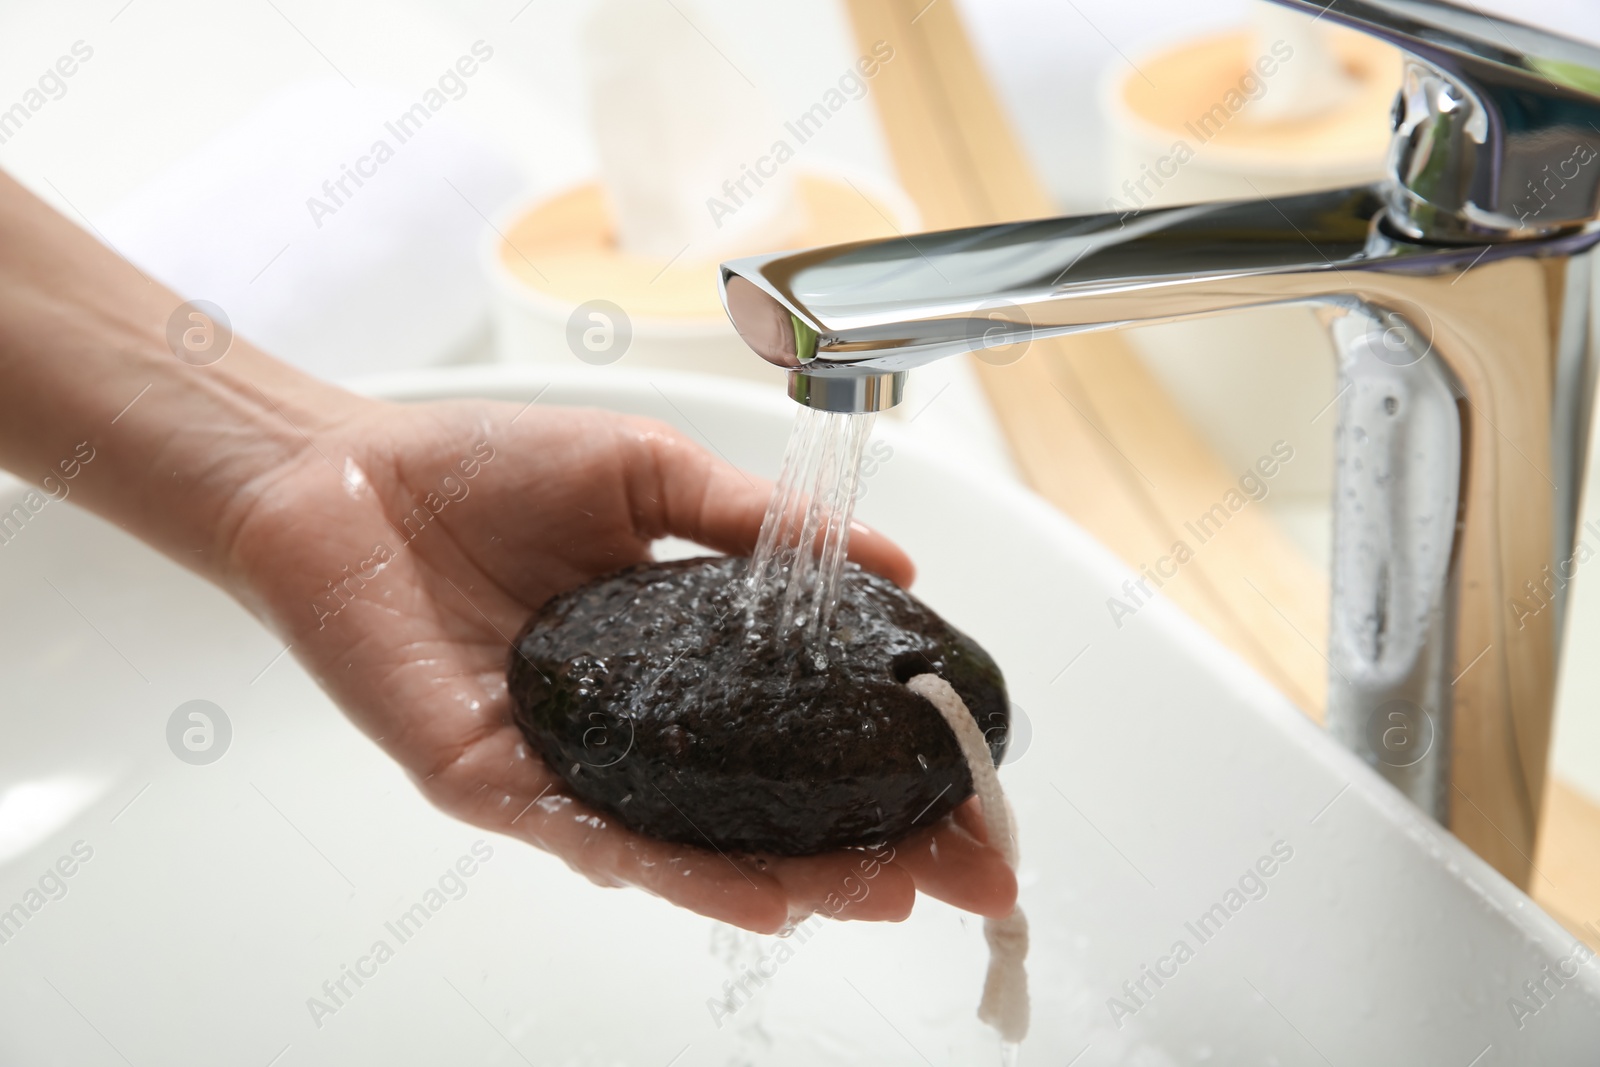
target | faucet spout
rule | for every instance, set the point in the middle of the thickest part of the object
(874, 310)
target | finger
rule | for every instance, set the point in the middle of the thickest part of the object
(678, 488)
(969, 816)
(878, 554)
(845, 885)
(949, 864)
(713, 885)
(609, 854)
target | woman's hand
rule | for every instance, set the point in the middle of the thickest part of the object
(399, 550)
(402, 549)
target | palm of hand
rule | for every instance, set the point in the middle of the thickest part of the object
(404, 550)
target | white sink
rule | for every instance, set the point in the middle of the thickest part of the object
(1160, 770)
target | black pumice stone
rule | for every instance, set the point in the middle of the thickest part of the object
(644, 690)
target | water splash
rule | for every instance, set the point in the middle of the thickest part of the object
(794, 574)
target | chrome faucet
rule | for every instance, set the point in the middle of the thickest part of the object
(1458, 296)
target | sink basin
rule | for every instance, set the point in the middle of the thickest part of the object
(1208, 877)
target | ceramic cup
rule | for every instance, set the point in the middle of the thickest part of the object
(564, 292)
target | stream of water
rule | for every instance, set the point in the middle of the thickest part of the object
(792, 589)
(793, 582)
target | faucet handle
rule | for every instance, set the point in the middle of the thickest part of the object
(1497, 125)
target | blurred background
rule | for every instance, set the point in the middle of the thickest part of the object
(369, 188)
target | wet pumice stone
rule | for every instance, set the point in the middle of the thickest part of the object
(647, 692)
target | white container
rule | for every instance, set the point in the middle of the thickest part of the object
(1204, 103)
(563, 294)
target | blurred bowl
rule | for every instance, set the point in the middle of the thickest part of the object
(1187, 93)
(565, 293)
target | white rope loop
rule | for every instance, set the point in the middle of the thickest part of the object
(1005, 988)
